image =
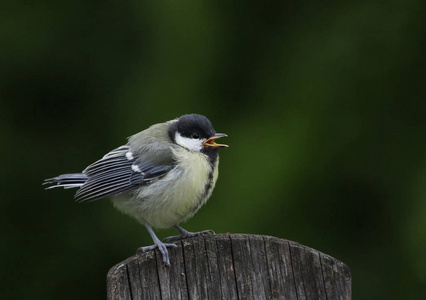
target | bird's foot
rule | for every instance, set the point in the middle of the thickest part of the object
(186, 234)
(163, 249)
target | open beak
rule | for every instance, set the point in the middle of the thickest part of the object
(210, 142)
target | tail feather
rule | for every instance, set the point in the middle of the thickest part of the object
(66, 181)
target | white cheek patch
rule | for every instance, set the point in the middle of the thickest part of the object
(188, 143)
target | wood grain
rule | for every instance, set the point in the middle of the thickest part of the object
(231, 266)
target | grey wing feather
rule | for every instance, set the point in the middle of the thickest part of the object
(119, 171)
(66, 181)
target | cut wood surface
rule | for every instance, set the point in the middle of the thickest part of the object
(231, 266)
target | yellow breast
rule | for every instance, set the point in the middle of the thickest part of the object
(178, 195)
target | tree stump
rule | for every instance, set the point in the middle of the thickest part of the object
(231, 266)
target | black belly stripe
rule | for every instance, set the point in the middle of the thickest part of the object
(207, 187)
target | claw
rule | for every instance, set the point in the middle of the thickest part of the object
(185, 234)
(163, 249)
(157, 244)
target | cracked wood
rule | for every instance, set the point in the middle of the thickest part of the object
(231, 266)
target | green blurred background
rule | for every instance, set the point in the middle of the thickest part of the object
(324, 105)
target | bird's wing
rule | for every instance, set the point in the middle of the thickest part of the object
(119, 171)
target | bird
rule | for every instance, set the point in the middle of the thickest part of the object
(161, 176)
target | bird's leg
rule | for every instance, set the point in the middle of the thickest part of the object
(157, 244)
(185, 234)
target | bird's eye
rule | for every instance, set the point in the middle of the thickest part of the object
(195, 135)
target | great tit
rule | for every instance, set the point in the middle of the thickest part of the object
(161, 177)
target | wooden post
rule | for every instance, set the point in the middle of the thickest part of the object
(231, 266)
